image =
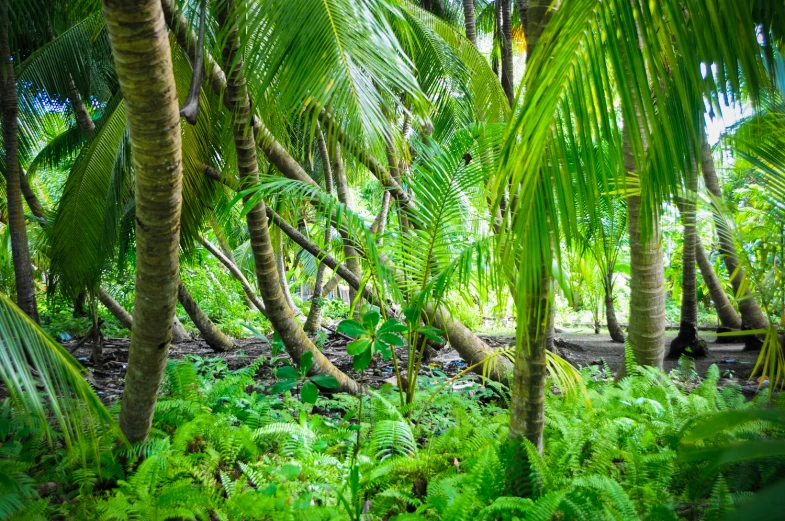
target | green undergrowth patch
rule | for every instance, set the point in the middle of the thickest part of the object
(223, 447)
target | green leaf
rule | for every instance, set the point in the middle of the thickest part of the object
(383, 348)
(325, 380)
(282, 386)
(290, 471)
(725, 420)
(309, 392)
(363, 360)
(351, 328)
(391, 339)
(287, 372)
(371, 320)
(358, 346)
(431, 333)
(306, 361)
(412, 315)
(393, 325)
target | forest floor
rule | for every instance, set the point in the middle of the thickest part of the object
(581, 348)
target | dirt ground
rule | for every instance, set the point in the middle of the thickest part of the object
(581, 348)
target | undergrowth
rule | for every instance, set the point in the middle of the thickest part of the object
(223, 448)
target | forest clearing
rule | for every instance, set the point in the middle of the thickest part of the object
(392, 260)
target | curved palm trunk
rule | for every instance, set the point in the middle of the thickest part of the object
(280, 266)
(646, 330)
(211, 334)
(688, 341)
(140, 46)
(469, 21)
(729, 319)
(83, 118)
(614, 329)
(294, 338)
(751, 315)
(20, 250)
(236, 273)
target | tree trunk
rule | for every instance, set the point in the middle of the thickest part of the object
(469, 21)
(179, 334)
(211, 334)
(508, 81)
(751, 315)
(614, 329)
(646, 330)
(344, 196)
(140, 46)
(687, 341)
(726, 314)
(83, 118)
(236, 273)
(497, 39)
(280, 266)
(20, 249)
(289, 329)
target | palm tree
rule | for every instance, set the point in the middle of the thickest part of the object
(23, 269)
(726, 313)
(469, 21)
(687, 341)
(140, 47)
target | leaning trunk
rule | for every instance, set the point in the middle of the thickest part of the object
(729, 319)
(83, 118)
(211, 334)
(20, 250)
(687, 341)
(614, 329)
(179, 334)
(143, 60)
(294, 338)
(506, 47)
(344, 196)
(751, 315)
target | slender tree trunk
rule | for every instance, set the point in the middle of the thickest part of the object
(508, 81)
(289, 329)
(20, 250)
(469, 21)
(687, 341)
(344, 196)
(729, 319)
(283, 278)
(211, 334)
(646, 330)
(140, 46)
(497, 39)
(332, 284)
(83, 118)
(614, 329)
(179, 334)
(236, 273)
(527, 406)
(751, 315)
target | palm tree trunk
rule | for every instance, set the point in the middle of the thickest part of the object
(236, 273)
(497, 39)
(179, 334)
(751, 315)
(469, 21)
(687, 341)
(280, 265)
(83, 118)
(211, 334)
(508, 82)
(729, 319)
(615, 330)
(20, 250)
(344, 196)
(289, 329)
(140, 46)
(646, 330)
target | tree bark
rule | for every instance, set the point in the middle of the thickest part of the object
(469, 21)
(289, 329)
(344, 196)
(83, 118)
(20, 249)
(211, 334)
(646, 330)
(508, 81)
(179, 334)
(614, 329)
(726, 313)
(140, 46)
(280, 266)
(687, 341)
(751, 315)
